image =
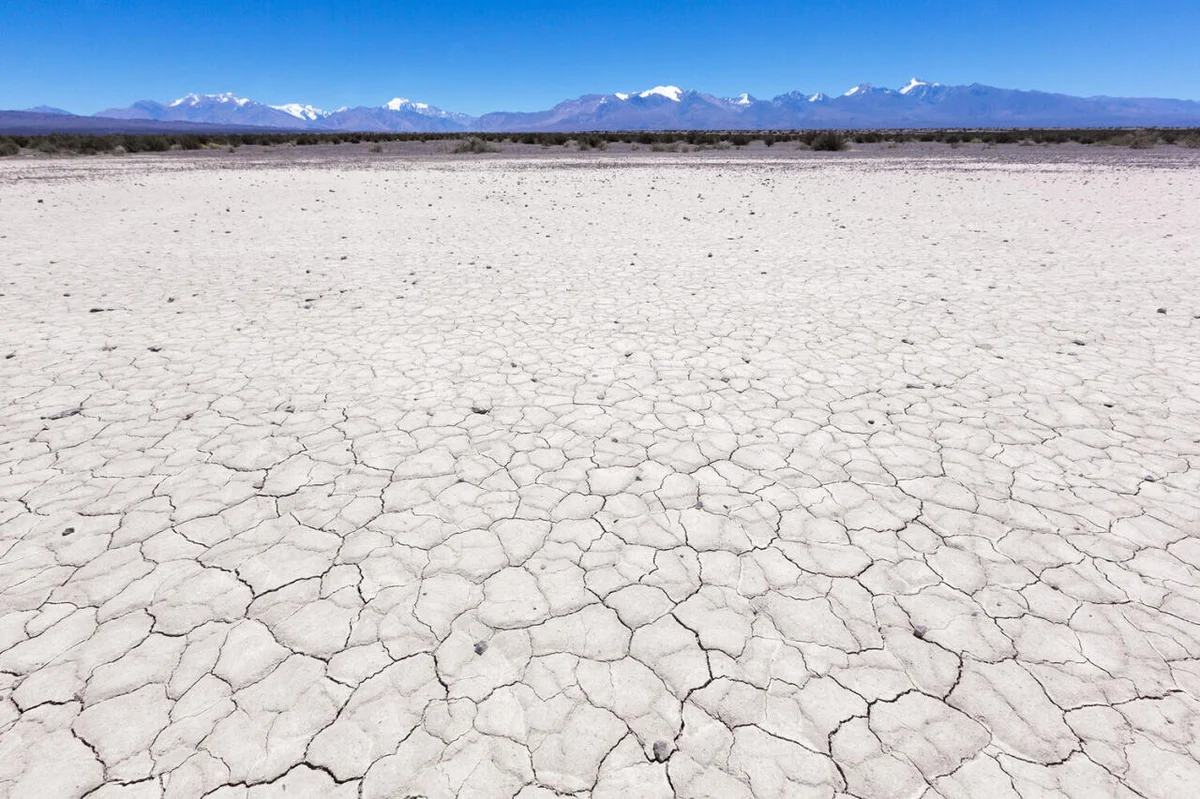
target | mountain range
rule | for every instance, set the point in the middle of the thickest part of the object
(918, 104)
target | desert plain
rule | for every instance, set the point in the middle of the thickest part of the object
(601, 475)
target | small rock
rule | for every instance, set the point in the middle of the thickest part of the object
(919, 630)
(481, 411)
(65, 414)
(1162, 310)
(68, 532)
(662, 750)
(155, 349)
(1079, 343)
(480, 647)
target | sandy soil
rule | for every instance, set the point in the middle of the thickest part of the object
(697, 475)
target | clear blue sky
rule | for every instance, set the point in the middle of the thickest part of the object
(473, 56)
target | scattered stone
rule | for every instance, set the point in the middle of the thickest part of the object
(1162, 310)
(68, 532)
(155, 349)
(662, 750)
(919, 631)
(480, 647)
(64, 414)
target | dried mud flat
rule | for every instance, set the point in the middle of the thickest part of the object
(683, 475)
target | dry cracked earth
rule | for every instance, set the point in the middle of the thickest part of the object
(599, 477)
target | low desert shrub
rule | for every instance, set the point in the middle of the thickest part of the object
(829, 141)
(665, 147)
(9, 147)
(592, 141)
(1146, 141)
(375, 148)
(474, 145)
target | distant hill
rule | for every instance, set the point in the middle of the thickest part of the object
(919, 104)
(30, 123)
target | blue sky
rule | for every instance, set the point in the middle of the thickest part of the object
(470, 56)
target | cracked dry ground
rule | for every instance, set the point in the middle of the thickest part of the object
(535, 478)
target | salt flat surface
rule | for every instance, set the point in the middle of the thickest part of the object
(599, 477)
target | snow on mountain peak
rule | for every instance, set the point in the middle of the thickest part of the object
(742, 99)
(818, 97)
(621, 96)
(196, 99)
(300, 111)
(914, 83)
(861, 88)
(670, 92)
(401, 103)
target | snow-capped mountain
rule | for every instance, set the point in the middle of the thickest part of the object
(218, 109)
(919, 103)
(299, 111)
(396, 115)
(193, 100)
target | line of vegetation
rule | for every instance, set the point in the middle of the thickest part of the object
(668, 141)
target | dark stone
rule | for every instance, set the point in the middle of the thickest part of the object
(662, 750)
(155, 349)
(919, 630)
(68, 531)
(480, 647)
(65, 414)
(476, 409)
(1162, 310)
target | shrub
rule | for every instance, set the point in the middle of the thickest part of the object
(592, 141)
(375, 148)
(8, 147)
(664, 147)
(1146, 141)
(829, 141)
(474, 145)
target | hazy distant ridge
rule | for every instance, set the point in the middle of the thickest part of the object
(919, 104)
